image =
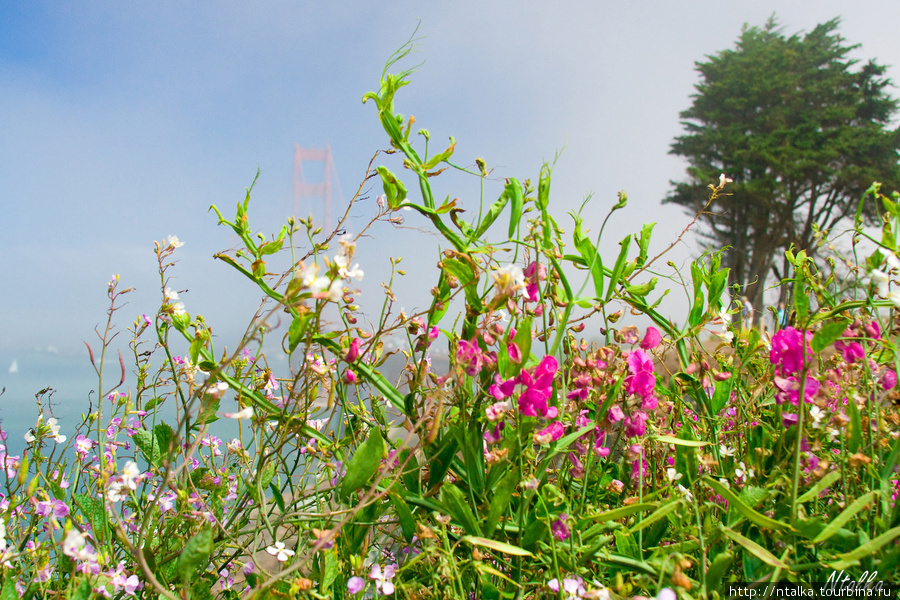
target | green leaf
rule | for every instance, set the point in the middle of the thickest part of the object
(194, 557)
(658, 514)
(847, 514)
(82, 592)
(622, 511)
(364, 464)
(496, 546)
(754, 548)
(626, 545)
(145, 440)
(457, 506)
(500, 501)
(717, 569)
(407, 520)
(642, 289)
(738, 504)
(644, 243)
(590, 257)
(492, 214)
(298, 329)
(868, 549)
(820, 486)
(517, 203)
(438, 158)
(394, 190)
(9, 589)
(828, 334)
(855, 427)
(619, 268)
(330, 569)
(668, 439)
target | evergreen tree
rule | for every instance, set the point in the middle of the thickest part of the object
(801, 129)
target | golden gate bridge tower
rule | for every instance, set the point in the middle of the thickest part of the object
(316, 184)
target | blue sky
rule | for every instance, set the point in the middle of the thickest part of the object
(120, 123)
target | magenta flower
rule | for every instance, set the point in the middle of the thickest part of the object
(469, 357)
(515, 354)
(615, 414)
(651, 339)
(559, 529)
(550, 433)
(852, 351)
(789, 347)
(642, 381)
(636, 424)
(353, 351)
(538, 389)
(889, 379)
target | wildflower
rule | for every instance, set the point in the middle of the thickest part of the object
(56, 508)
(642, 379)
(789, 349)
(636, 424)
(559, 529)
(889, 379)
(534, 273)
(174, 242)
(496, 411)
(538, 386)
(280, 552)
(353, 351)
(244, 413)
(75, 546)
(652, 339)
(350, 377)
(469, 357)
(508, 280)
(343, 262)
(743, 472)
(551, 433)
(383, 578)
(355, 585)
(218, 390)
(572, 587)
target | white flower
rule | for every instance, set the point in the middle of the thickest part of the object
(2, 535)
(54, 431)
(672, 474)
(280, 552)
(742, 470)
(342, 262)
(246, 413)
(174, 242)
(29, 436)
(336, 291)
(508, 279)
(170, 294)
(686, 492)
(723, 180)
(130, 474)
(725, 450)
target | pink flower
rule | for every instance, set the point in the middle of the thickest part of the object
(642, 380)
(350, 377)
(636, 424)
(615, 414)
(789, 347)
(651, 339)
(550, 433)
(469, 357)
(559, 529)
(889, 379)
(534, 274)
(355, 585)
(538, 389)
(515, 354)
(353, 351)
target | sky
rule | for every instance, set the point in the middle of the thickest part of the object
(121, 123)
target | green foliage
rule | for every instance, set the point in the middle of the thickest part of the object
(801, 128)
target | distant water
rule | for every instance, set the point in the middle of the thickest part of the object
(71, 377)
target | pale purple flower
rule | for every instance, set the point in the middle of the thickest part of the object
(383, 578)
(355, 585)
